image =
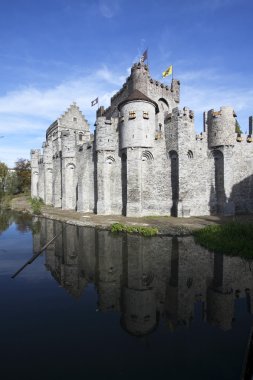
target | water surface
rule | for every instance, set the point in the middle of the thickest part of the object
(100, 306)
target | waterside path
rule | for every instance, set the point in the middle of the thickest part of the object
(166, 225)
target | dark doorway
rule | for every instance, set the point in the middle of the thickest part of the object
(174, 181)
(124, 182)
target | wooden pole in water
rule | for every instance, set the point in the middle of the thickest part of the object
(247, 373)
(37, 254)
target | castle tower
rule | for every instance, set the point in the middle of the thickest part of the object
(180, 144)
(221, 127)
(41, 182)
(137, 133)
(34, 172)
(221, 140)
(139, 78)
(69, 172)
(108, 187)
(48, 172)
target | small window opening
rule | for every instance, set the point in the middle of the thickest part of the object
(132, 115)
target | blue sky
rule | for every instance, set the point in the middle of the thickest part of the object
(54, 52)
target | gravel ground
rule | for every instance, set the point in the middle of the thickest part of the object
(166, 225)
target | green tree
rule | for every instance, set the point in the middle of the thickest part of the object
(11, 183)
(23, 171)
(3, 176)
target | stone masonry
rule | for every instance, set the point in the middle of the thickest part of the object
(145, 157)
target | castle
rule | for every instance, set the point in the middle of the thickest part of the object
(145, 157)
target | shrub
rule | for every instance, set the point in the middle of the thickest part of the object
(36, 204)
(144, 231)
(234, 239)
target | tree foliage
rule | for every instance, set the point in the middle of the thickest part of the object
(23, 171)
(3, 176)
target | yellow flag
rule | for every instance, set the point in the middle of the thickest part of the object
(168, 71)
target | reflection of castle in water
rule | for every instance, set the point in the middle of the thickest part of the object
(147, 280)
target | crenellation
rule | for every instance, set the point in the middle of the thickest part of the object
(145, 157)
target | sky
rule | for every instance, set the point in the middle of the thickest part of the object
(54, 52)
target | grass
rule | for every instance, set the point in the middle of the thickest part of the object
(144, 231)
(235, 239)
(36, 204)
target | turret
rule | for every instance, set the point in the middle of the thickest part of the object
(106, 134)
(69, 172)
(35, 154)
(221, 127)
(179, 131)
(139, 77)
(175, 89)
(137, 121)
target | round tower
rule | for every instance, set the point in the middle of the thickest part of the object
(221, 127)
(137, 121)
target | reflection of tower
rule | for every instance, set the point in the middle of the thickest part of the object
(171, 303)
(109, 264)
(220, 301)
(138, 304)
(63, 256)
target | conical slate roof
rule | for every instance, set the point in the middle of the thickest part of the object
(136, 95)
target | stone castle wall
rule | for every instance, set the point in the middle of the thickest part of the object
(146, 158)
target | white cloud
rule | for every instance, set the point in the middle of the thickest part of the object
(108, 8)
(30, 108)
(27, 112)
(203, 98)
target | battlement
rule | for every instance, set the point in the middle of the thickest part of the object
(185, 114)
(139, 66)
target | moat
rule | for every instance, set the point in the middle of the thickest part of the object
(97, 305)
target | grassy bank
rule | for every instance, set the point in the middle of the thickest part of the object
(141, 230)
(235, 239)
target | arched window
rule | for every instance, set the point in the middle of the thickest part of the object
(147, 156)
(110, 160)
(189, 154)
